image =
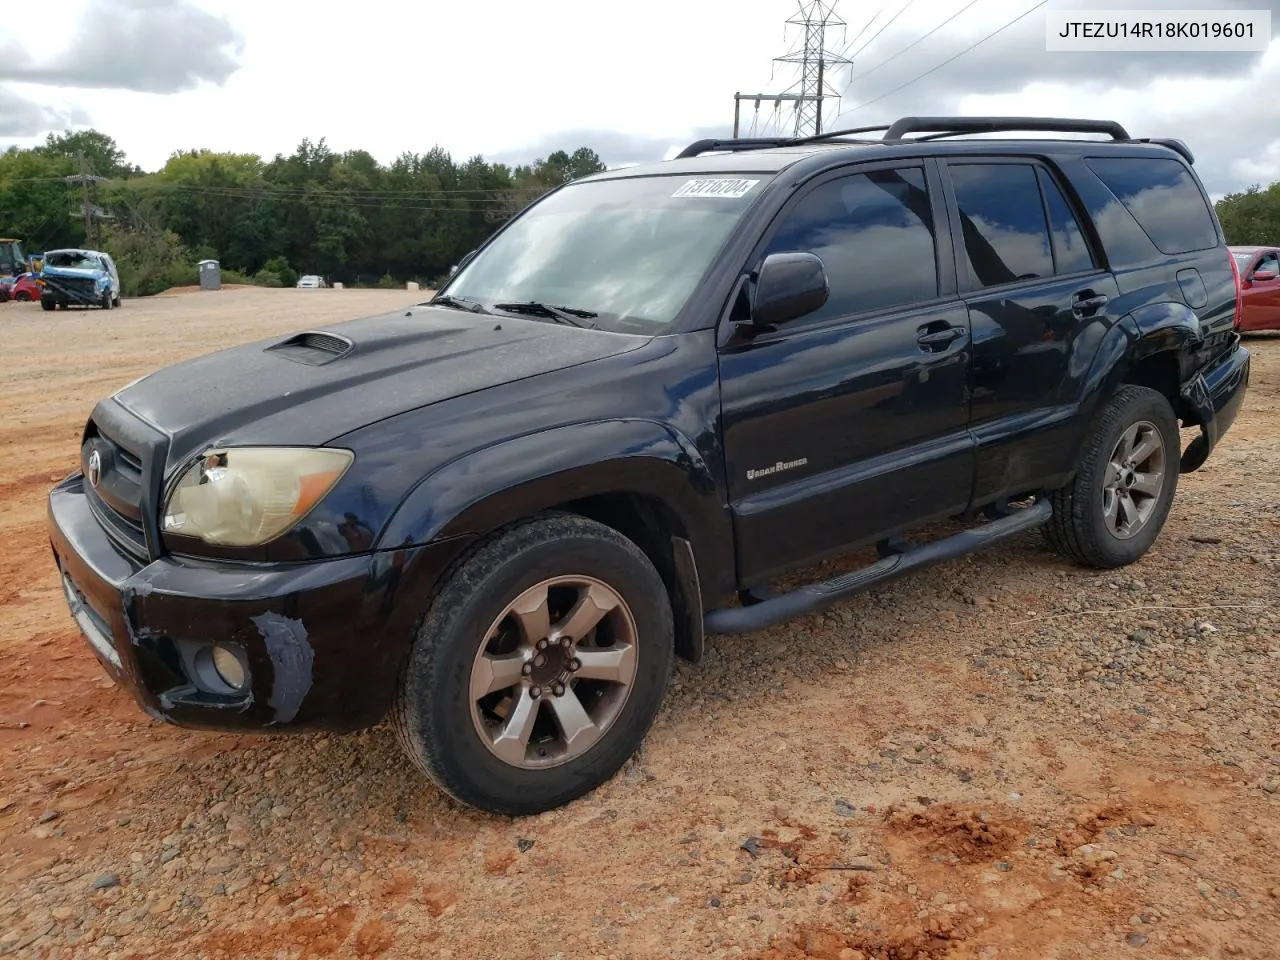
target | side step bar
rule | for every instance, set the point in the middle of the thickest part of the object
(817, 596)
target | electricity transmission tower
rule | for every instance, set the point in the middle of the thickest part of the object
(815, 18)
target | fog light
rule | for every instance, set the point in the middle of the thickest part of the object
(228, 666)
(220, 668)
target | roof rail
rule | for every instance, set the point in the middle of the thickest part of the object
(946, 126)
(763, 143)
(753, 143)
(936, 128)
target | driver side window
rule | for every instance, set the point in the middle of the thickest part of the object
(873, 233)
(1269, 263)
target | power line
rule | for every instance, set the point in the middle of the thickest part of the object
(858, 36)
(285, 192)
(947, 61)
(913, 43)
(882, 29)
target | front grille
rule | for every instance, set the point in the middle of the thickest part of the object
(117, 496)
(126, 532)
(79, 286)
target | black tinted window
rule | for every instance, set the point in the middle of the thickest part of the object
(874, 233)
(1163, 197)
(1071, 252)
(1005, 235)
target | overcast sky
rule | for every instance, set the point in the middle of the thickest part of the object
(513, 79)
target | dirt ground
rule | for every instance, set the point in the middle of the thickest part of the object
(1004, 757)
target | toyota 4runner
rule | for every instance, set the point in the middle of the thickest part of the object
(496, 517)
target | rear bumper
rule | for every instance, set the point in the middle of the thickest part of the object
(322, 642)
(1216, 394)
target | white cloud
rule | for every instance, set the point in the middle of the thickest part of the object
(514, 80)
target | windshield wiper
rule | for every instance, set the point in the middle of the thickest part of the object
(460, 303)
(569, 315)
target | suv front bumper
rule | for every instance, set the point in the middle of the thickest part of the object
(1216, 394)
(322, 642)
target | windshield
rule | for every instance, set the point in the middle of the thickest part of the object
(630, 252)
(72, 261)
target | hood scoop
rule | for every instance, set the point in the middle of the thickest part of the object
(313, 347)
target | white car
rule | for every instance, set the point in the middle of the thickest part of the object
(311, 282)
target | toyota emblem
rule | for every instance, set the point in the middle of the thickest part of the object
(95, 467)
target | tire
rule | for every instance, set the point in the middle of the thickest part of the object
(452, 738)
(106, 301)
(1083, 527)
(47, 304)
(117, 302)
(23, 297)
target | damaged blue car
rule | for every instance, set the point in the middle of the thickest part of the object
(88, 278)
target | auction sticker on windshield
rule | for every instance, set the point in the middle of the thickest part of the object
(726, 188)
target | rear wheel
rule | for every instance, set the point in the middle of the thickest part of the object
(539, 667)
(1125, 482)
(23, 297)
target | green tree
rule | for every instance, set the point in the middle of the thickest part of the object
(101, 153)
(1251, 217)
(342, 215)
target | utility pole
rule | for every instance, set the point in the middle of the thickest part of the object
(815, 17)
(84, 178)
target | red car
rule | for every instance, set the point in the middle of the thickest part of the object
(1258, 274)
(22, 288)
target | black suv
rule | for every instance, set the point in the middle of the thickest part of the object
(498, 516)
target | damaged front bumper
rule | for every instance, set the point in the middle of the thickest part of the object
(321, 643)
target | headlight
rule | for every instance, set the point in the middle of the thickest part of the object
(245, 496)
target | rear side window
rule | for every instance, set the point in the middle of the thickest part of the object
(1070, 250)
(874, 234)
(1006, 237)
(1163, 197)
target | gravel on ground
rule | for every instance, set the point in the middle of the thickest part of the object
(1001, 758)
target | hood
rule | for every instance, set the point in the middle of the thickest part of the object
(317, 385)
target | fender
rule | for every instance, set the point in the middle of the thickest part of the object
(1146, 332)
(482, 490)
(1168, 327)
(1159, 328)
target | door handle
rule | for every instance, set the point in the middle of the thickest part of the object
(937, 338)
(1086, 302)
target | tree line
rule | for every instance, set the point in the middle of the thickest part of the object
(1252, 216)
(344, 216)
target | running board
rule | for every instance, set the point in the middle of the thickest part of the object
(816, 596)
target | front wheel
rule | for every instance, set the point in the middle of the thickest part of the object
(48, 304)
(1125, 481)
(539, 667)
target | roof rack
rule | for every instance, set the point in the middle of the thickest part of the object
(949, 126)
(762, 143)
(937, 128)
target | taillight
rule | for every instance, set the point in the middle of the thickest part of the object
(1235, 275)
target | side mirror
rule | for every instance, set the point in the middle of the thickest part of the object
(788, 286)
(1262, 276)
